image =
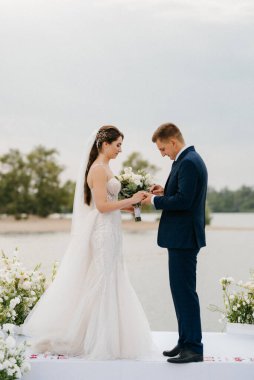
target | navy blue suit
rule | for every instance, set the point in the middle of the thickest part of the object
(182, 232)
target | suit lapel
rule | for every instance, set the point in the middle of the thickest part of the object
(171, 171)
(175, 163)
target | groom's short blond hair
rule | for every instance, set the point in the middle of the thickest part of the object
(166, 131)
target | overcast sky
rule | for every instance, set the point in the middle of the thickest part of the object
(69, 66)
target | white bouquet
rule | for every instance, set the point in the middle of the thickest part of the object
(13, 364)
(131, 183)
(19, 289)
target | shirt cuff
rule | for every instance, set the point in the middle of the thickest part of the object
(152, 199)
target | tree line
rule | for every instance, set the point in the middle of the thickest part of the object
(30, 184)
(225, 200)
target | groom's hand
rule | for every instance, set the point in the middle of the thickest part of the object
(147, 199)
(156, 190)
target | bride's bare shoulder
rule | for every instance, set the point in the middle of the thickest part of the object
(96, 171)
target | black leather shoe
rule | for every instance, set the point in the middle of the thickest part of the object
(175, 351)
(187, 356)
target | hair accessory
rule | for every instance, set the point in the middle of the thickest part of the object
(101, 137)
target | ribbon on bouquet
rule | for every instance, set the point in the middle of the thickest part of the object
(137, 212)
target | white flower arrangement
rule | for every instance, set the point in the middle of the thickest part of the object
(131, 183)
(239, 305)
(13, 364)
(19, 289)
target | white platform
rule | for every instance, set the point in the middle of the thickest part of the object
(227, 357)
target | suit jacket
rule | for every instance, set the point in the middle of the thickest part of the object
(182, 223)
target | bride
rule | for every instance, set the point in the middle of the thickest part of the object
(91, 309)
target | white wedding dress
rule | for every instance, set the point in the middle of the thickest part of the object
(91, 309)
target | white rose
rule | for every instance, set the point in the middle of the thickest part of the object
(137, 182)
(13, 303)
(138, 176)
(26, 285)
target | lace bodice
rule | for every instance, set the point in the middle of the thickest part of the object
(113, 188)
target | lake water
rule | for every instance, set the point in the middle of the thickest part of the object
(229, 252)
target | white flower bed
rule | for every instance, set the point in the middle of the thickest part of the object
(19, 289)
(13, 364)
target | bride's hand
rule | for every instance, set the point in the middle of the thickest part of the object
(138, 197)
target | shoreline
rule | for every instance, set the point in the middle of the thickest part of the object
(36, 224)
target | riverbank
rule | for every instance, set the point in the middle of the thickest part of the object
(35, 224)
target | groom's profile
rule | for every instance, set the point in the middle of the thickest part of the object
(182, 232)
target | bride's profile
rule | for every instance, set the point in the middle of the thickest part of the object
(91, 309)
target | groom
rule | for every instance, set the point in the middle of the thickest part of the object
(182, 232)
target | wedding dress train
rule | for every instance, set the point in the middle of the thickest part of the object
(91, 309)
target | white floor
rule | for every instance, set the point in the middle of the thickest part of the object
(226, 357)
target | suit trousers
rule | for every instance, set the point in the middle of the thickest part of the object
(182, 279)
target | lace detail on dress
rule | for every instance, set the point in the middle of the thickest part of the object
(113, 188)
(107, 233)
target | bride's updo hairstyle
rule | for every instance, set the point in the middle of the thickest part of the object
(108, 134)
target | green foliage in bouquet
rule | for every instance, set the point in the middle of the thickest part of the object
(238, 305)
(20, 289)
